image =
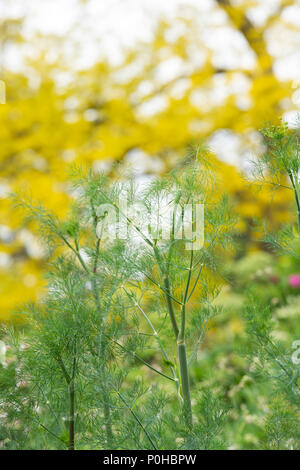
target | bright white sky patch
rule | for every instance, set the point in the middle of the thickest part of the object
(227, 146)
(105, 27)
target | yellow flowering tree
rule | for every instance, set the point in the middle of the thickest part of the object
(166, 95)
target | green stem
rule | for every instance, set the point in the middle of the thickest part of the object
(167, 293)
(161, 288)
(142, 360)
(155, 334)
(184, 372)
(185, 384)
(70, 383)
(298, 209)
(181, 336)
(138, 420)
(72, 417)
(107, 413)
(106, 405)
(296, 197)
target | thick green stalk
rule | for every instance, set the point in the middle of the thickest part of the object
(167, 291)
(298, 208)
(185, 384)
(180, 337)
(170, 307)
(184, 372)
(72, 417)
(296, 197)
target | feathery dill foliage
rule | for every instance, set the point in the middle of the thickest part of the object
(271, 357)
(105, 357)
(279, 166)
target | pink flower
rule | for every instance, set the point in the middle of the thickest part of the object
(294, 281)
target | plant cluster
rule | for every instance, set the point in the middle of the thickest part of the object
(114, 305)
(118, 353)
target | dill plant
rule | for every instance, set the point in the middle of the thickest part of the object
(105, 357)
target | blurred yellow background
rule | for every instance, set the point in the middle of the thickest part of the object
(126, 84)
